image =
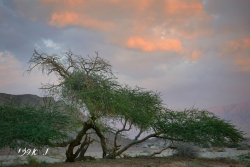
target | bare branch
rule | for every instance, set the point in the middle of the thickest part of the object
(86, 142)
(122, 130)
(63, 144)
(138, 135)
(159, 152)
(135, 142)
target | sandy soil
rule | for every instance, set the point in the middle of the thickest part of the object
(133, 157)
(147, 162)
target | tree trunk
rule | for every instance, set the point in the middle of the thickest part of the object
(83, 151)
(70, 155)
(103, 141)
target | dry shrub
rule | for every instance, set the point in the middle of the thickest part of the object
(33, 161)
(186, 150)
(219, 149)
(125, 155)
(243, 147)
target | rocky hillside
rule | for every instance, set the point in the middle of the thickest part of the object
(238, 114)
(24, 99)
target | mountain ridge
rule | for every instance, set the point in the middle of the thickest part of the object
(237, 114)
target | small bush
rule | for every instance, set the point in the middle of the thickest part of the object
(231, 145)
(186, 150)
(244, 157)
(32, 160)
(205, 146)
(243, 148)
(218, 149)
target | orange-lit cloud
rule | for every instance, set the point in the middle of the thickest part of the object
(196, 54)
(238, 50)
(67, 18)
(243, 63)
(14, 80)
(69, 3)
(146, 25)
(240, 44)
(180, 7)
(192, 55)
(147, 45)
(9, 68)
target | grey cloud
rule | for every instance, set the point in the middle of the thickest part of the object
(230, 14)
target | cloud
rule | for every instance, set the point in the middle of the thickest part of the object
(15, 81)
(230, 16)
(147, 45)
(243, 63)
(145, 25)
(74, 19)
(196, 54)
(179, 7)
(241, 44)
(238, 51)
(9, 68)
(171, 46)
(50, 44)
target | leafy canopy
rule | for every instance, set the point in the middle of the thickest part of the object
(34, 126)
(197, 126)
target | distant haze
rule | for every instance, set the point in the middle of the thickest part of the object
(237, 114)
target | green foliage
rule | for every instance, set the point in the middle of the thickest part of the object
(104, 97)
(205, 146)
(32, 126)
(94, 92)
(141, 106)
(197, 126)
(244, 157)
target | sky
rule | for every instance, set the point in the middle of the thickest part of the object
(196, 53)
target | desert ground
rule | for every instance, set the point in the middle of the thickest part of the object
(135, 157)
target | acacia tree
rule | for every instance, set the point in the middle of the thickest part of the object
(199, 127)
(29, 125)
(140, 113)
(89, 85)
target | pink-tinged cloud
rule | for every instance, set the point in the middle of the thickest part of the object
(238, 50)
(192, 55)
(146, 25)
(9, 68)
(14, 80)
(70, 18)
(180, 7)
(243, 63)
(240, 44)
(196, 54)
(157, 45)
(69, 3)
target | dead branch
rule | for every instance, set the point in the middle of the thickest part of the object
(122, 130)
(84, 144)
(159, 152)
(63, 144)
(138, 135)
